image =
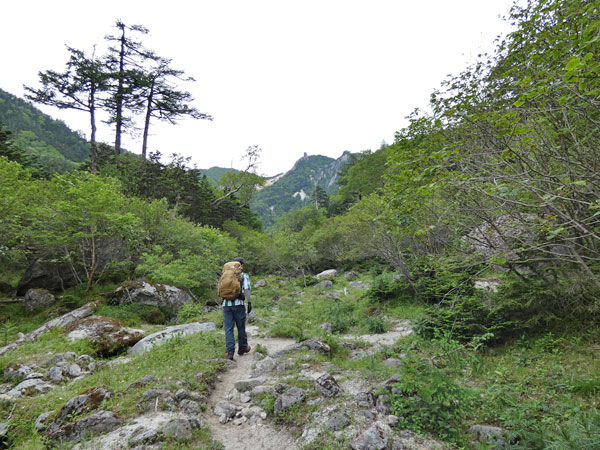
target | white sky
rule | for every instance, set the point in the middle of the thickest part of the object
(314, 76)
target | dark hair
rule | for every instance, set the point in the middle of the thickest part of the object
(240, 260)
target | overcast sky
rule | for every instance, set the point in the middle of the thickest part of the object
(314, 76)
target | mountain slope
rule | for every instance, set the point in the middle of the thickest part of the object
(294, 189)
(51, 141)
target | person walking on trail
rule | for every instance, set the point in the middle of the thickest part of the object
(234, 314)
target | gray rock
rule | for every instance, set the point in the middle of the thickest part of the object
(376, 437)
(326, 326)
(40, 422)
(489, 435)
(252, 317)
(392, 362)
(359, 285)
(249, 384)
(350, 276)
(38, 298)
(366, 415)
(327, 385)
(260, 390)
(331, 273)
(264, 366)
(181, 429)
(335, 295)
(365, 400)
(74, 370)
(383, 404)
(190, 406)
(83, 403)
(97, 423)
(17, 372)
(325, 284)
(168, 333)
(338, 421)
(155, 294)
(56, 374)
(392, 420)
(34, 386)
(4, 429)
(260, 283)
(289, 398)
(181, 394)
(225, 408)
(143, 436)
(109, 336)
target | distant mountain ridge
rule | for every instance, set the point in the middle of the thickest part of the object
(294, 189)
(51, 141)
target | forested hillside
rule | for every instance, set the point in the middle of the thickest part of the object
(50, 141)
(297, 187)
(479, 225)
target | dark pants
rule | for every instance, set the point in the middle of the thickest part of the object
(235, 316)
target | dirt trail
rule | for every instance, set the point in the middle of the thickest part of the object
(246, 436)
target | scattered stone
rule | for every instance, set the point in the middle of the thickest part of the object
(392, 362)
(181, 429)
(223, 419)
(335, 295)
(331, 273)
(392, 420)
(359, 285)
(376, 437)
(34, 375)
(97, 423)
(327, 385)
(181, 394)
(225, 408)
(289, 398)
(260, 283)
(17, 372)
(489, 435)
(83, 403)
(56, 374)
(350, 276)
(40, 422)
(338, 421)
(245, 398)
(264, 366)
(74, 370)
(383, 404)
(325, 284)
(252, 317)
(143, 436)
(190, 406)
(249, 384)
(38, 298)
(365, 400)
(327, 327)
(30, 387)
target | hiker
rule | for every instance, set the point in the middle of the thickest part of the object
(234, 313)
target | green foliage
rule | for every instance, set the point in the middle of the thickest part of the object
(581, 431)
(136, 314)
(432, 399)
(190, 312)
(387, 286)
(339, 315)
(20, 116)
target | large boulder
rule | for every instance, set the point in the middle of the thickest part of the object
(155, 294)
(38, 298)
(170, 332)
(50, 272)
(331, 273)
(108, 335)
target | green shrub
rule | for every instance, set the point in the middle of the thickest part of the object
(288, 328)
(374, 325)
(190, 312)
(580, 432)
(339, 315)
(386, 287)
(429, 399)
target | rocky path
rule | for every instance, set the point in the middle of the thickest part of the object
(241, 436)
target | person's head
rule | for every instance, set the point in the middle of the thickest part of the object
(240, 260)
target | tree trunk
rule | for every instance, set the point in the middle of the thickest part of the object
(147, 121)
(93, 147)
(119, 96)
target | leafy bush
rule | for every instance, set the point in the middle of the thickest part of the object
(580, 431)
(339, 315)
(387, 286)
(429, 399)
(288, 328)
(190, 312)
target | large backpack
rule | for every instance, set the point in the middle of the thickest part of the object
(230, 283)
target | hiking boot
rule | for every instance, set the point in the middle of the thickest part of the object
(229, 355)
(241, 351)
